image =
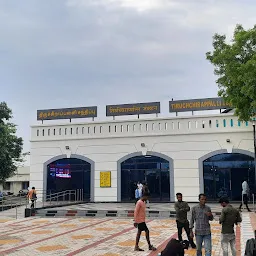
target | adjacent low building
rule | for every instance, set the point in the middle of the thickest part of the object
(17, 182)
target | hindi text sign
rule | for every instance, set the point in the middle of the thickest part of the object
(133, 109)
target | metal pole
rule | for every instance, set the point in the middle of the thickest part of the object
(16, 212)
(242, 202)
(254, 143)
(253, 202)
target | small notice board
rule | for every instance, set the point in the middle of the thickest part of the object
(105, 179)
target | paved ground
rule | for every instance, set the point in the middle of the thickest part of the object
(97, 236)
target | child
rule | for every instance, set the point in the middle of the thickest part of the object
(140, 222)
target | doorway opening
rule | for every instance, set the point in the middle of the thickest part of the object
(224, 174)
(69, 174)
(150, 169)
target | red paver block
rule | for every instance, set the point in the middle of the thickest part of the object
(238, 241)
(6, 252)
(72, 211)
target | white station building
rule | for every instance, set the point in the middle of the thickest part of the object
(197, 154)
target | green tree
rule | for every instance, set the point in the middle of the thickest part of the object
(235, 65)
(10, 144)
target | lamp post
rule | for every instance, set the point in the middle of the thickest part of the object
(254, 143)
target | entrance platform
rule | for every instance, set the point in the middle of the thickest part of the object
(155, 210)
(101, 236)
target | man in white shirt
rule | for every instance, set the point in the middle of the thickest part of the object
(140, 186)
(245, 194)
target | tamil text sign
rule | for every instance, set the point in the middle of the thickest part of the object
(66, 113)
(105, 179)
(133, 109)
(198, 105)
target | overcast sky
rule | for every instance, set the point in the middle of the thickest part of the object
(57, 53)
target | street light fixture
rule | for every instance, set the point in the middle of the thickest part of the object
(254, 143)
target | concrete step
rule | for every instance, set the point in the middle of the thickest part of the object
(101, 213)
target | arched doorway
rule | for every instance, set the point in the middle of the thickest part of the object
(69, 174)
(152, 169)
(224, 173)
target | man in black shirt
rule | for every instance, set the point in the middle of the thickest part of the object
(175, 248)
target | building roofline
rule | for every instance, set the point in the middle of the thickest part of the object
(132, 120)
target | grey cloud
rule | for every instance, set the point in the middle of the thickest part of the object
(96, 52)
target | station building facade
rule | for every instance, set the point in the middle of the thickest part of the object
(191, 155)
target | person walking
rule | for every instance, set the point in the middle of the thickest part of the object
(245, 195)
(229, 217)
(140, 223)
(201, 215)
(32, 196)
(182, 208)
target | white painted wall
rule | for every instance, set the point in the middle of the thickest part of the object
(184, 140)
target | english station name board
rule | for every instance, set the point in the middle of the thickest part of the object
(133, 109)
(67, 113)
(198, 105)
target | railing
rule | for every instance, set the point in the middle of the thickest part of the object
(58, 198)
(12, 202)
(253, 202)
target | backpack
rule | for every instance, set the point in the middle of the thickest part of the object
(34, 196)
(250, 249)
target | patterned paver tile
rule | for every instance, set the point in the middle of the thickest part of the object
(90, 236)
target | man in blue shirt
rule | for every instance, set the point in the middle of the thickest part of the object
(137, 195)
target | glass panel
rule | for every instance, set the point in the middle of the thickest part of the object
(165, 184)
(222, 181)
(151, 169)
(69, 174)
(152, 178)
(224, 174)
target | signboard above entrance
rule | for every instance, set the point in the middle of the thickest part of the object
(133, 109)
(198, 105)
(66, 113)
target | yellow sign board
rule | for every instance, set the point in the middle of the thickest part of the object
(105, 179)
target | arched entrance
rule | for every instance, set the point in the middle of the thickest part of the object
(69, 174)
(152, 169)
(223, 175)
